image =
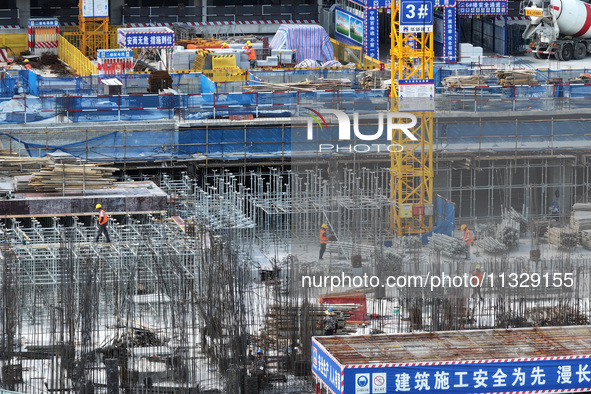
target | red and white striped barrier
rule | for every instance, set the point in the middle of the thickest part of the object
(224, 23)
(512, 18)
(10, 27)
(4, 55)
(43, 35)
(507, 360)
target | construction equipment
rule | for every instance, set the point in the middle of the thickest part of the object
(557, 27)
(412, 167)
(94, 26)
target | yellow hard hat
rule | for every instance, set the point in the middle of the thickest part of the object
(463, 227)
(324, 225)
(225, 44)
(26, 60)
(98, 206)
(248, 43)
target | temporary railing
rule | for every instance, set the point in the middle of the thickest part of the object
(188, 107)
(74, 58)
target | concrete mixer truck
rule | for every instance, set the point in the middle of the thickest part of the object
(558, 27)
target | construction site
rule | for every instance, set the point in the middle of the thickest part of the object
(262, 236)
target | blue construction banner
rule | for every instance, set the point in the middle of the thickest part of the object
(496, 376)
(371, 41)
(416, 16)
(43, 22)
(326, 368)
(113, 53)
(443, 3)
(348, 27)
(145, 38)
(450, 36)
(482, 7)
(378, 3)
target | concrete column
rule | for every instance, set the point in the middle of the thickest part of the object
(203, 9)
(24, 12)
(116, 12)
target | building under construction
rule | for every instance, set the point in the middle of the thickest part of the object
(214, 251)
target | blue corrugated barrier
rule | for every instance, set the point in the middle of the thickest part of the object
(444, 219)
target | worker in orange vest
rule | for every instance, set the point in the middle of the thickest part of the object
(468, 238)
(252, 56)
(102, 223)
(478, 275)
(323, 240)
(27, 65)
(225, 45)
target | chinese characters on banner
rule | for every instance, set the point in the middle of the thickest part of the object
(113, 53)
(482, 7)
(567, 374)
(449, 26)
(148, 40)
(372, 48)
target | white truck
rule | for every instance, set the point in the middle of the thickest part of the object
(558, 27)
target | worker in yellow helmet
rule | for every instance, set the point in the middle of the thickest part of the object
(103, 220)
(225, 45)
(252, 56)
(27, 65)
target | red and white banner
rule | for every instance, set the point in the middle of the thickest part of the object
(224, 23)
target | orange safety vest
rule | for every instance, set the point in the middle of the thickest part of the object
(323, 236)
(468, 237)
(251, 54)
(103, 219)
(478, 274)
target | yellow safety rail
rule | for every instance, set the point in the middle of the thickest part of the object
(70, 55)
(15, 43)
(75, 37)
(226, 75)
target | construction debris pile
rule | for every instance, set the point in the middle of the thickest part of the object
(374, 79)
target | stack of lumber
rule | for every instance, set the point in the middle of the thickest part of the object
(20, 165)
(580, 218)
(21, 183)
(72, 177)
(319, 84)
(517, 77)
(465, 80)
(586, 239)
(563, 237)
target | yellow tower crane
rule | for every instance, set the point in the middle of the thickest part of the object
(411, 164)
(93, 21)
